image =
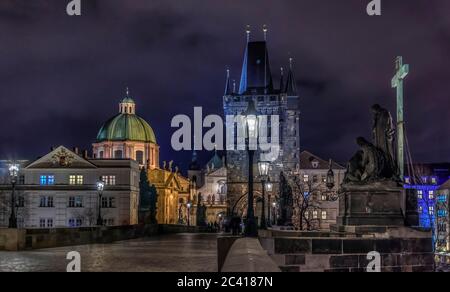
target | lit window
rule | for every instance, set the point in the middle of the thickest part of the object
(420, 194)
(442, 213)
(324, 178)
(407, 180)
(442, 198)
(431, 195)
(306, 214)
(47, 180)
(305, 178)
(431, 210)
(75, 179)
(324, 215)
(324, 197)
(109, 180)
(315, 214)
(420, 209)
(434, 180)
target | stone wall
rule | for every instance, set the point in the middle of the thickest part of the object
(22, 239)
(247, 256)
(401, 250)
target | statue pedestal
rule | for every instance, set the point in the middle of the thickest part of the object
(376, 204)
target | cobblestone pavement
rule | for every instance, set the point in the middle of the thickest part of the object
(168, 253)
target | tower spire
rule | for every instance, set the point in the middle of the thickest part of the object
(248, 31)
(265, 30)
(227, 84)
(282, 86)
(291, 86)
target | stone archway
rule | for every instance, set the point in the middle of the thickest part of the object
(240, 207)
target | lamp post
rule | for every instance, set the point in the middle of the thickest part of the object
(251, 124)
(263, 167)
(13, 173)
(189, 205)
(330, 183)
(100, 188)
(269, 189)
(274, 211)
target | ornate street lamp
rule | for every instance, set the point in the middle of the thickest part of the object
(330, 183)
(274, 211)
(100, 188)
(13, 173)
(263, 167)
(251, 124)
(189, 206)
(269, 189)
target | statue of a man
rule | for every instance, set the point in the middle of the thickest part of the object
(384, 133)
(373, 160)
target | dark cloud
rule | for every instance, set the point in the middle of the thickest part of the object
(61, 77)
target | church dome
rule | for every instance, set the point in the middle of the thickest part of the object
(126, 126)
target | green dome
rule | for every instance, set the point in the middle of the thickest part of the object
(126, 127)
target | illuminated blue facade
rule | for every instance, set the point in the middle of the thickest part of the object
(426, 187)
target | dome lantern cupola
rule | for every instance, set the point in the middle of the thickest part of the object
(127, 105)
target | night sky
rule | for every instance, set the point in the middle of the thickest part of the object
(61, 77)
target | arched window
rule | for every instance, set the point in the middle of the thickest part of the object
(140, 157)
(118, 154)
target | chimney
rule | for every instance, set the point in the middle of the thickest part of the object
(85, 154)
(75, 149)
(52, 148)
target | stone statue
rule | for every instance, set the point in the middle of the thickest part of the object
(367, 165)
(375, 161)
(384, 133)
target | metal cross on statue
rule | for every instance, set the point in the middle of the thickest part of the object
(402, 70)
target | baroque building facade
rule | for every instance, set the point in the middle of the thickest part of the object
(257, 86)
(59, 190)
(210, 188)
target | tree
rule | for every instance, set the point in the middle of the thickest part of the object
(305, 203)
(148, 198)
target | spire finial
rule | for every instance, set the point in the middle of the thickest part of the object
(265, 30)
(128, 91)
(227, 84)
(291, 62)
(282, 71)
(234, 86)
(248, 31)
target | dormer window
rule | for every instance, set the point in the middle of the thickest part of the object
(315, 164)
